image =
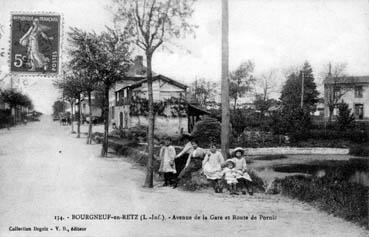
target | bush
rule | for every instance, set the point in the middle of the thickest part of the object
(330, 193)
(206, 131)
(4, 118)
(359, 150)
(345, 118)
(357, 136)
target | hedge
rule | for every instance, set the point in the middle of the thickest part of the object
(357, 136)
(359, 150)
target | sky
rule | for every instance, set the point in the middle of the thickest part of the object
(275, 35)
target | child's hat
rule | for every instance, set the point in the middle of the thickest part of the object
(238, 149)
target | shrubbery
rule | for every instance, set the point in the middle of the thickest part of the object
(206, 131)
(357, 136)
(4, 118)
(330, 193)
(360, 150)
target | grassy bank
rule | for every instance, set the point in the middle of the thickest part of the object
(333, 193)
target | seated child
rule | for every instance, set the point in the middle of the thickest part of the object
(212, 167)
(243, 178)
(230, 173)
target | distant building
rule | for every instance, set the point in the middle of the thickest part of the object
(319, 109)
(352, 90)
(174, 114)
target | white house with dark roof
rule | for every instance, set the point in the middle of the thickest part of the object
(129, 102)
(352, 90)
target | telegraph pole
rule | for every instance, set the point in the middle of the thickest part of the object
(225, 82)
(302, 89)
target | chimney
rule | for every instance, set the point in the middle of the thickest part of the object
(138, 64)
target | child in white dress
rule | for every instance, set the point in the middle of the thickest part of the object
(167, 165)
(243, 178)
(230, 175)
(212, 167)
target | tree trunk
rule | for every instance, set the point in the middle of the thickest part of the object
(331, 109)
(79, 118)
(105, 145)
(225, 82)
(150, 135)
(72, 115)
(90, 122)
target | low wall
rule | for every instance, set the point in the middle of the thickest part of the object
(296, 151)
(166, 125)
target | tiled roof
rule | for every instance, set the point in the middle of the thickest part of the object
(161, 77)
(347, 80)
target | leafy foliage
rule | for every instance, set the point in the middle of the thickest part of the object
(241, 81)
(15, 98)
(292, 89)
(298, 118)
(172, 107)
(203, 91)
(58, 107)
(360, 150)
(345, 118)
(206, 131)
(332, 193)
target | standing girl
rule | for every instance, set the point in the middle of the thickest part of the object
(212, 167)
(167, 165)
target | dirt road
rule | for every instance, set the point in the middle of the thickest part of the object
(46, 172)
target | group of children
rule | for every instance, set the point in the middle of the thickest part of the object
(232, 172)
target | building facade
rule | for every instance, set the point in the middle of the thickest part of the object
(353, 91)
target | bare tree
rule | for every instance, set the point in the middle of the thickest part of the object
(241, 81)
(333, 89)
(267, 84)
(152, 23)
(204, 91)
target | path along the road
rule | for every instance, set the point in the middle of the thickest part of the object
(45, 172)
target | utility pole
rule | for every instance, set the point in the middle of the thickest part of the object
(225, 82)
(302, 89)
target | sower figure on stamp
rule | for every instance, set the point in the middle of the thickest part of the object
(31, 40)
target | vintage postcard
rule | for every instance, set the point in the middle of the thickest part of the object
(161, 118)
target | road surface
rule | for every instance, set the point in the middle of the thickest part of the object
(47, 174)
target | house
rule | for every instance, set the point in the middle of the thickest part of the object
(173, 114)
(319, 109)
(352, 90)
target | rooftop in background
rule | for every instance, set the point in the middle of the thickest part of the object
(347, 80)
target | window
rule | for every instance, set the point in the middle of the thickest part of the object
(359, 111)
(358, 91)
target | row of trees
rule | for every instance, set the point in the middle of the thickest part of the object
(241, 81)
(15, 100)
(97, 61)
